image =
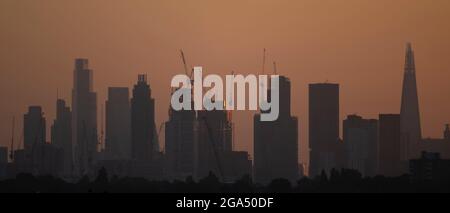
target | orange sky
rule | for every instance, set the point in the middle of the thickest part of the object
(356, 43)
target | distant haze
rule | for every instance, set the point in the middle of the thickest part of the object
(359, 44)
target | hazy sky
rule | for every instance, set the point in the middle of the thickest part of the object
(358, 44)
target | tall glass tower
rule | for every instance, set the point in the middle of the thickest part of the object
(410, 129)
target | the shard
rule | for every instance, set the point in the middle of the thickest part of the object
(410, 129)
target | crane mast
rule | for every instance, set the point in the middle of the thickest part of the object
(264, 60)
(185, 64)
(275, 68)
(216, 152)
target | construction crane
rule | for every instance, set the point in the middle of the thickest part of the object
(264, 60)
(11, 152)
(275, 68)
(159, 134)
(230, 117)
(186, 71)
(262, 84)
(216, 152)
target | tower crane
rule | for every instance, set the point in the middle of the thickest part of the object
(159, 134)
(183, 58)
(264, 60)
(216, 152)
(275, 68)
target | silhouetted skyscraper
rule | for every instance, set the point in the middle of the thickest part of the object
(389, 163)
(276, 142)
(323, 127)
(180, 143)
(34, 131)
(118, 124)
(142, 121)
(62, 134)
(409, 113)
(84, 116)
(361, 144)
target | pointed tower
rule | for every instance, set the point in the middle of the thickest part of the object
(409, 113)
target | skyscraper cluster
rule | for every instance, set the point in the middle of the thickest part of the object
(200, 143)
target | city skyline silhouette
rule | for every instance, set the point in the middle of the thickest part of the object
(367, 65)
(202, 142)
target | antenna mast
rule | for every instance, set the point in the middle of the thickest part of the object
(11, 153)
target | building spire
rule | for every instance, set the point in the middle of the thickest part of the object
(409, 58)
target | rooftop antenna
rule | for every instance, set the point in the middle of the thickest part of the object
(11, 152)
